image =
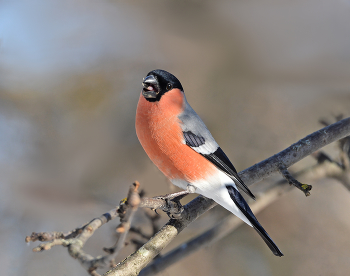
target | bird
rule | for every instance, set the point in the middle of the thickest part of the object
(178, 142)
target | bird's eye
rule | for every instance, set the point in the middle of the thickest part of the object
(169, 86)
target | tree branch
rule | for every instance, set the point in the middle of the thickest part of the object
(231, 222)
(304, 147)
(220, 230)
(75, 240)
(296, 152)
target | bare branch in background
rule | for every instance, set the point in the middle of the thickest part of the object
(219, 231)
(304, 147)
(132, 265)
(76, 239)
(231, 222)
(126, 216)
(142, 237)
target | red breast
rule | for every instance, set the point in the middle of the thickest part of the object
(160, 134)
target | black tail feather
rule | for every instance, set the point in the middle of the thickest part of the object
(245, 209)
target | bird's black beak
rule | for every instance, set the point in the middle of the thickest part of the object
(150, 87)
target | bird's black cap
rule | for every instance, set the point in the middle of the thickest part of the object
(157, 83)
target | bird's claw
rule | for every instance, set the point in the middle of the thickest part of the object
(173, 209)
(172, 205)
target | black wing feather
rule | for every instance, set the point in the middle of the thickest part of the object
(218, 158)
(193, 140)
(245, 209)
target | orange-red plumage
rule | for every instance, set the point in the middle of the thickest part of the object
(181, 146)
(158, 129)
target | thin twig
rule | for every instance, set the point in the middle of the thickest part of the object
(305, 188)
(321, 157)
(133, 201)
(76, 239)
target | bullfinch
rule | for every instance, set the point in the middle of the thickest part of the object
(181, 146)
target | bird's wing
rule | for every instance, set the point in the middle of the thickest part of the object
(198, 137)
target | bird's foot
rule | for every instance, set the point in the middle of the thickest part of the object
(175, 209)
(172, 205)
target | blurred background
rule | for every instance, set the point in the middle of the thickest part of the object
(260, 74)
